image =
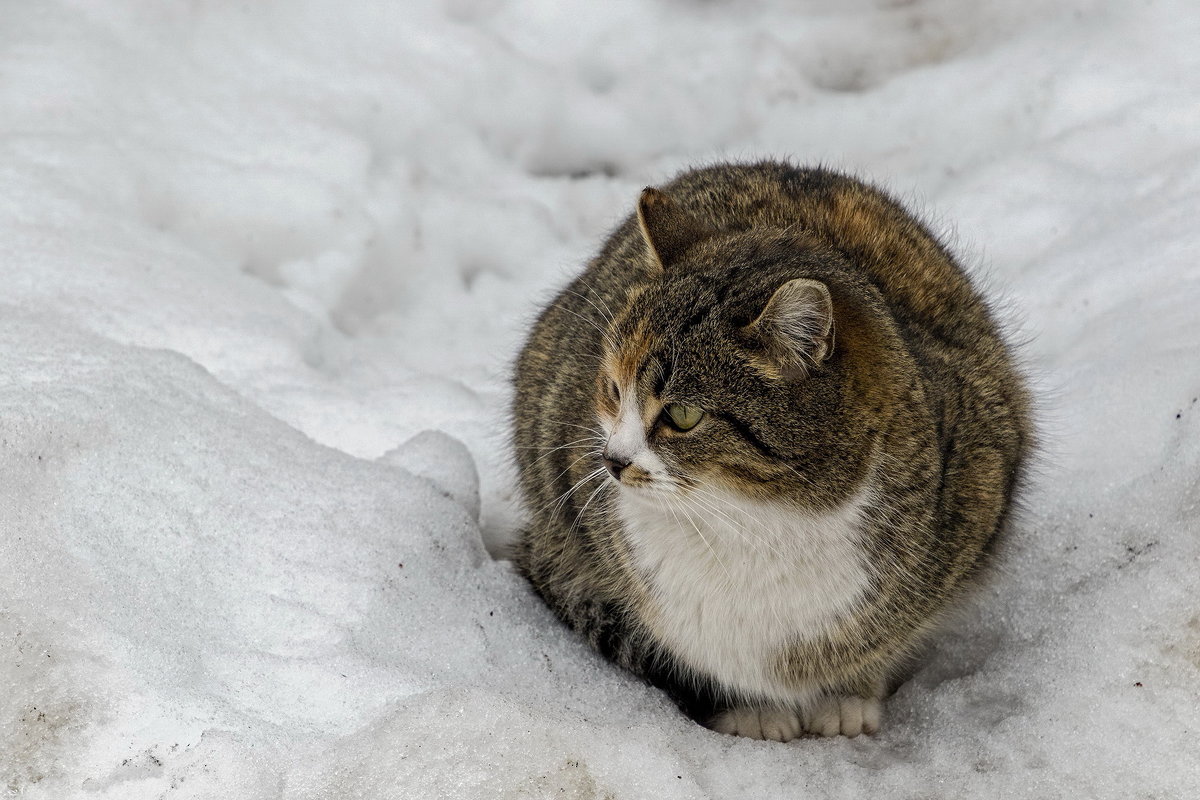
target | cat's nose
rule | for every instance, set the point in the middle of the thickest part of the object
(615, 465)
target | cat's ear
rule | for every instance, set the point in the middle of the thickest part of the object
(667, 228)
(796, 327)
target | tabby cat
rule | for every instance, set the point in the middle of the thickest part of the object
(766, 439)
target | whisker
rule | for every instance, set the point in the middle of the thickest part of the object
(579, 516)
(596, 431)
(745, 533)
(584, 355)
(554, 447)
(589, 443)
(606, 315)
(559, 475)
(604, 334)
(742, 530)
(562, 500)
(528, 467)
(807, 481)
(592, 290)
(671, 505)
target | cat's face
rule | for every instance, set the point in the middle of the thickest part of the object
(724, 374)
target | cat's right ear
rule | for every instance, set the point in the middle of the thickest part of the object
(667, 228)
(796, 327)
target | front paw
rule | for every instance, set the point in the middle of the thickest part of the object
(775, 724)
(848, 716)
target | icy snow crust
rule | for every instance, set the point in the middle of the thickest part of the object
(265, 266)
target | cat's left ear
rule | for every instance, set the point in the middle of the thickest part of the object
(796, 327)
(667, 228)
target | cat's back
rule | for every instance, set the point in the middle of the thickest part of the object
(918, 277)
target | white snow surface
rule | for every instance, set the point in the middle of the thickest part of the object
(264, 268)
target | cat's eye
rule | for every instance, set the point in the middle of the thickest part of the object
(614, 391)
(682, 417)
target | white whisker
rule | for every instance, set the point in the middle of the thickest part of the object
(672, 506)
(562, 500)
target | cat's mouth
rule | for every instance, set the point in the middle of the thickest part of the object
(643, 482)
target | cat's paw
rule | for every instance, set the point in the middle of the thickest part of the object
(847, 716)
(775, 724)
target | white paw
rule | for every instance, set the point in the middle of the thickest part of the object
(848, 716)
(776, 724)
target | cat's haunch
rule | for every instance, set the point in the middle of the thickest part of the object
(765, 441)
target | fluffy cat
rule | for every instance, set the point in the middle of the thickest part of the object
(766, 439)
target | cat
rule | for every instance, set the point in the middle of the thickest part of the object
(766, 440)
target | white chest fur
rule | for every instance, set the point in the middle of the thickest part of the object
(734, 581)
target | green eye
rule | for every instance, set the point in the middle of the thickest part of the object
(683, 417)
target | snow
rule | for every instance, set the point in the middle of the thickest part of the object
(265, 267)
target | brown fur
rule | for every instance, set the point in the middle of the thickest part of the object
(911, 389)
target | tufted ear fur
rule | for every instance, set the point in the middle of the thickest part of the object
(796, 327)
(667, 228)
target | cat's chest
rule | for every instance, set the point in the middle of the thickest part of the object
(733, 582)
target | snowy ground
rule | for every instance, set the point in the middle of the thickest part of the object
(263, 268)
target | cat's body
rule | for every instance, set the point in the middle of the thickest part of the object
(766, 439)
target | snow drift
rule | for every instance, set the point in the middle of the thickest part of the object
(264, 269)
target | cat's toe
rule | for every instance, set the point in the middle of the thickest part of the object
(780, 725)
(774, 724)
(872, 715)
(726, 722)
(845, 716)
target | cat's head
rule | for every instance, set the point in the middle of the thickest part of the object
(737, 365)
